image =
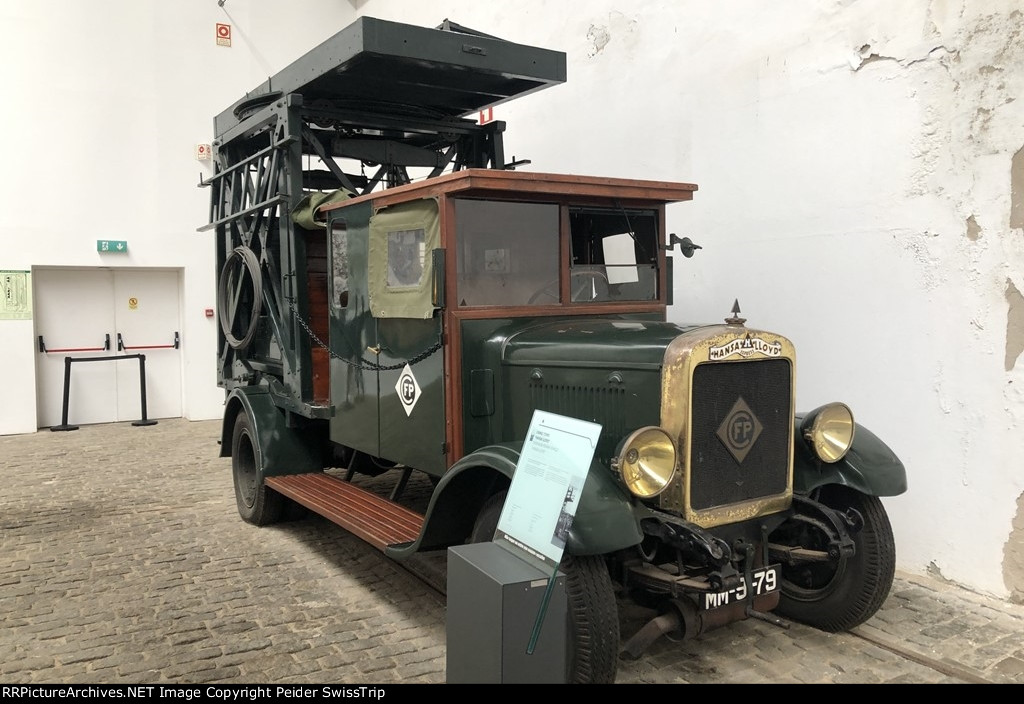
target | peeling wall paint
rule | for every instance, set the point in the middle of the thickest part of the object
(1013, 560)
(1017, 190)
(1014, 324)
(973, 229)
(616, 25)
(598, 37)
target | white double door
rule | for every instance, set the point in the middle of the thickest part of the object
(75, 312)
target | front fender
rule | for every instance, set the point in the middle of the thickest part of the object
(458, 498)
(604, 520)
(870, 466)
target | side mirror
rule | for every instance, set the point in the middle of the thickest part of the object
(437, 281)
(686, 245)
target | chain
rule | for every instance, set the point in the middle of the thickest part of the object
(365, 364)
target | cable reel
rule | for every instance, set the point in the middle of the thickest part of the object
(240, 262)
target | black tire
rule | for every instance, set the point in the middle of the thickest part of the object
(487, 519)
(593, 621)
(837, 596)
(593, 655)
(257, 504)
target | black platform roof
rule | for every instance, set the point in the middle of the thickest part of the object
(379, 65)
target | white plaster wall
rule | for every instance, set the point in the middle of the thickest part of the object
(104, 102)
(854, 166)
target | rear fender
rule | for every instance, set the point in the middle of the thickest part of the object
(279, 448)
(870, 466)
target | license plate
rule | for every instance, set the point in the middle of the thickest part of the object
(763, 580)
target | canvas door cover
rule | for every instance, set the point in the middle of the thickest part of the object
(400, 269)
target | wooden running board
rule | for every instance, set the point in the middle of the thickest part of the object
(376, 520)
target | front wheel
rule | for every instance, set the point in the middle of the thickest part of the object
(257, 504)
(593, 620)
(593, 647)
(841, 594)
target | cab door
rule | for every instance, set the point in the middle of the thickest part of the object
(387, 366)
(409, 333)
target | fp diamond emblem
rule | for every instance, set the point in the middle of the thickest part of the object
(740, 430)
(408, 390)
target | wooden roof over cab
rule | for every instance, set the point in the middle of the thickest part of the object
(485, 182)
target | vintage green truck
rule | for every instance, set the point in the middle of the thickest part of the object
(396, 299)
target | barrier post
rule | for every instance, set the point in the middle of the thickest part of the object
(67, 395)
(142, 386)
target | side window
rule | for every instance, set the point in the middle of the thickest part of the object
(339, 264)
(407, 254)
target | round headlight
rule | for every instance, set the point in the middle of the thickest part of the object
(647, 462)
(829, 430)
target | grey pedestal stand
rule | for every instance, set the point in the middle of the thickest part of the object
(494, 598)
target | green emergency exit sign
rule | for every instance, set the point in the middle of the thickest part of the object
(118, 246)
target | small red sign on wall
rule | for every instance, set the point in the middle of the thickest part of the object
(223, 34)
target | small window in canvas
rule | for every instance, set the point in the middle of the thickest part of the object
(407, 254)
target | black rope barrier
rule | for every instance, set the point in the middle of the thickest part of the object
(67, 387)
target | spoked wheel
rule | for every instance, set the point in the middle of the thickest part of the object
(593, 610)
(257, 504)
(839, 594)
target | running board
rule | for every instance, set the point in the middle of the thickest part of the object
(376, 520)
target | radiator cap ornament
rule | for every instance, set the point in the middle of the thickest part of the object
(736, 319)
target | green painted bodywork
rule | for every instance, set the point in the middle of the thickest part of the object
(280, 449)
(870, 466)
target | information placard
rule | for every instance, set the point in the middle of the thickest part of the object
(15, 295)
(545, 490)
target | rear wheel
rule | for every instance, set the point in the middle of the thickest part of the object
(593, 610)
(257, 504)
(840, 594)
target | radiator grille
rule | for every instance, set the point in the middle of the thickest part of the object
(740, 431)
(602, 405)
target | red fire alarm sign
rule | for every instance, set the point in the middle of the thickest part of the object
(223, 34)
(209, 312)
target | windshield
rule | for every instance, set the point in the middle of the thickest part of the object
(508, 254)
(614, 255)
